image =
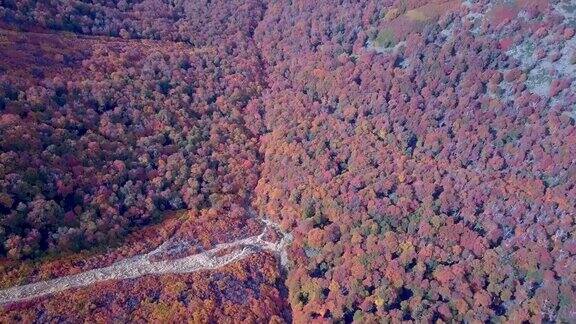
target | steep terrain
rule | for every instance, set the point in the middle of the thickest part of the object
(420, 154)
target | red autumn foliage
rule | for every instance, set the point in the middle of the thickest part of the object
(422, 173)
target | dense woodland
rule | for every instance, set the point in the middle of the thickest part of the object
(421, 153)
(129, 130)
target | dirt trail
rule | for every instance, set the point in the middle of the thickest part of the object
(147, 264)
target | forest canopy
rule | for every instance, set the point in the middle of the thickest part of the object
(422, 154)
